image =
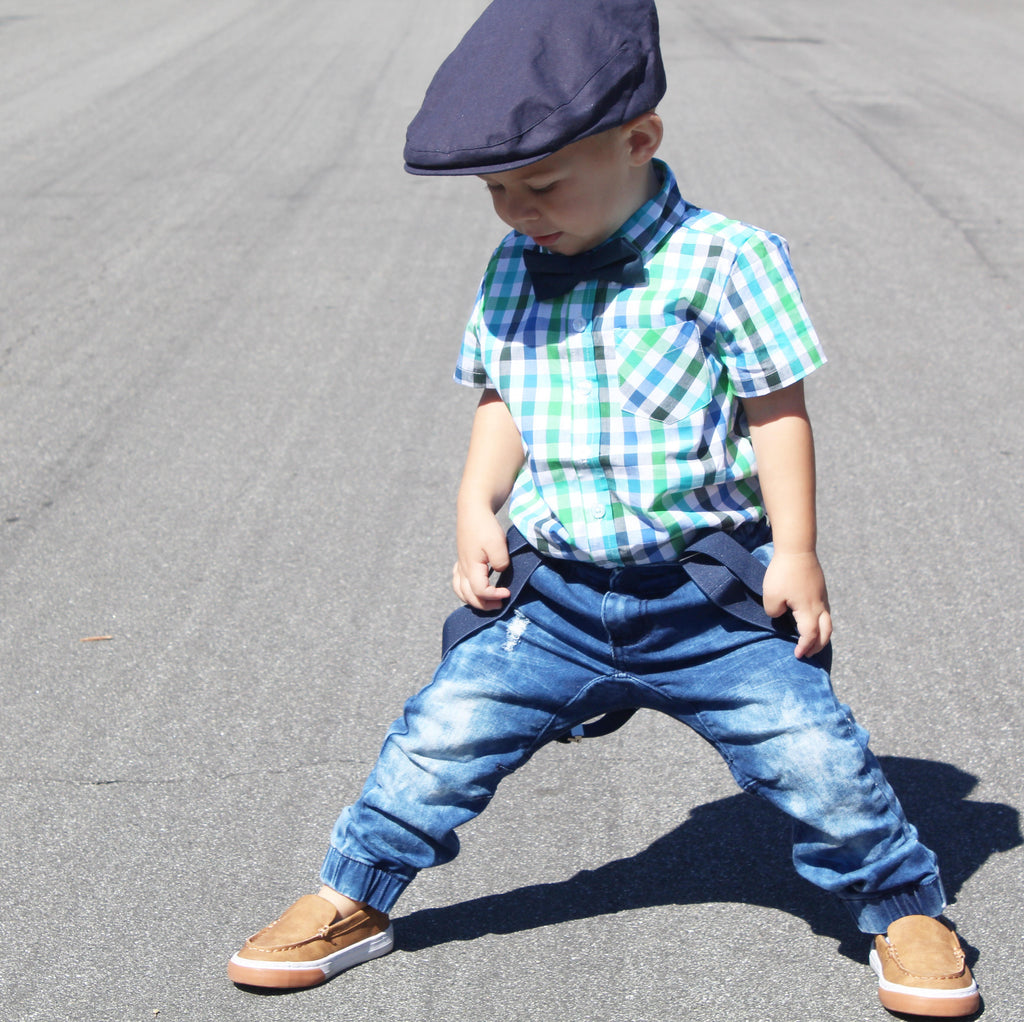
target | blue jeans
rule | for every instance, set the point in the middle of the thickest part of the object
(585, 640)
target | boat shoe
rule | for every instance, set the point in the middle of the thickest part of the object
(921, 970)
(309, 944)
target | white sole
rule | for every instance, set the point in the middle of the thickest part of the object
(277, 974)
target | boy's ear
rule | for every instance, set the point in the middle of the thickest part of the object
(644, 135)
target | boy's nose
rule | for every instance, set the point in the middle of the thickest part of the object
(521, 210)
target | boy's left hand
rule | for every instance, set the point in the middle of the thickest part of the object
(796, 582)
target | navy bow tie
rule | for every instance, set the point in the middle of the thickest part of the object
(553, 275)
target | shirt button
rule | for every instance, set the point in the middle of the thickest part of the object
(599, 511)
(584, 386)
(579, 324)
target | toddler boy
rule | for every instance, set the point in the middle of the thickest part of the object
(641, 364)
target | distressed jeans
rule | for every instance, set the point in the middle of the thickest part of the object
(585, 640)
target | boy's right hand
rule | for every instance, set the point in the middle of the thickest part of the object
(482, 549)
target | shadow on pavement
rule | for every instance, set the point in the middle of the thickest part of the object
(736, 850)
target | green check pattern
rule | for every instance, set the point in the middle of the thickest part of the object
(628, 398)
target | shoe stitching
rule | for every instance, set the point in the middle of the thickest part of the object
(322, 934)
(958, 955)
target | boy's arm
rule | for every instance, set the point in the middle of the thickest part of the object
(784, 446)
(494, 459)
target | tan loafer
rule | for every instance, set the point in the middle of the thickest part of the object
(309, 944)
(921, 970)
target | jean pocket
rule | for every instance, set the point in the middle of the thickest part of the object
(663, 374)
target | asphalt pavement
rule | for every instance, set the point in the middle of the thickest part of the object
(229, 446)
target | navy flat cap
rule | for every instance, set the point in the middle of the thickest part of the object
(532, 76)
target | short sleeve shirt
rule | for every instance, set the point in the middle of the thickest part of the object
(628, 398)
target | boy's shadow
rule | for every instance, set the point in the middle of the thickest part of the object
(736, 850)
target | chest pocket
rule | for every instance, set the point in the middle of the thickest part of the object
(663, 374)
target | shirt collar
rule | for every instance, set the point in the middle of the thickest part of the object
(657, 218)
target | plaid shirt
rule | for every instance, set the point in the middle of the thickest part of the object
(627, 398)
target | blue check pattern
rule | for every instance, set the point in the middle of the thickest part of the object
(628, 398)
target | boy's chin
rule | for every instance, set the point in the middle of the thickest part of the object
(567, 246)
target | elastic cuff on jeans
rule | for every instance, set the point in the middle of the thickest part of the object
(356, 880)
(927, 899)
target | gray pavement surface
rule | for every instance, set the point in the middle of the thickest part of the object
(229, 442)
